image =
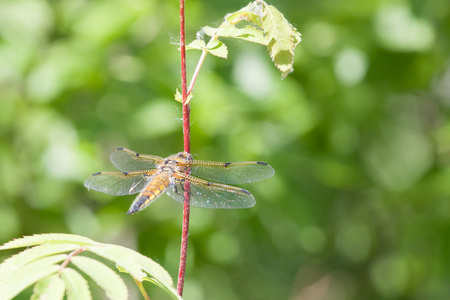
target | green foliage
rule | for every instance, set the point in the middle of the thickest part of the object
(46, 265)
(268, 27)
(359, 136)
(214, 47)
(105, 277)
(49, 287)
(247, 33)
(22, 276)
(76, 285)
(179, 97)
(282, 39)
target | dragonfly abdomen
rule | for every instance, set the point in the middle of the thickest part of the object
(153, 190)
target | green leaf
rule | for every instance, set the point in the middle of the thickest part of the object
(122, 257)
(244, 15)
(214, 47)
(196, 44)
(50, 287)
(40, 287)
(77, 287)
(152, 268)
(28, 241)
(160, 276)
(283, 38)
(210, 30)
(32, 254)
(28, 274)
(170, 290)
(251, 13)
(106, 278)
(277, 33)
(217, 48)
(179, 97)
(31, 265)
(248, 33)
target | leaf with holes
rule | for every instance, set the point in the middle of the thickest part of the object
(247, 33)
(251, 13)
(283, 38)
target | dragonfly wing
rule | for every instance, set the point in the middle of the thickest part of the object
(129, 161)
(118, 183)
(210, 195)
(231, 173)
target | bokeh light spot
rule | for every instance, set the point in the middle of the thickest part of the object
(399, 30)
(354, 242)
(252, 74)
(350, 66)
(389, 275)
(312, 239)
(157, 118)
(223, 247)
(9, 223)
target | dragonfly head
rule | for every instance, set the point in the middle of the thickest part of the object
(183, 157)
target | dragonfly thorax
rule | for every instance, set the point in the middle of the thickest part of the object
(176, 163)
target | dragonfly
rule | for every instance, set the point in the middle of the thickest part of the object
(152, 176)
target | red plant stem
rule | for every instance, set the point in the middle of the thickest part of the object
(187, 148)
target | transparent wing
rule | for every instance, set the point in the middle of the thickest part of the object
(126, 160)
(210, 195)
(231, 173)
(118, 183)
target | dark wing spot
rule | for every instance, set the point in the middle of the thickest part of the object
(226, 164)
(121, 148)
(98, 173)
(125, 173)
(262, 163)
(245, 191)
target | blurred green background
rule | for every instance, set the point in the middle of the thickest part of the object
(359, 136)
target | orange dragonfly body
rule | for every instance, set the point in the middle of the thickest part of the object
(151, 176)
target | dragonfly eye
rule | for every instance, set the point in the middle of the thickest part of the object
(185, 156)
